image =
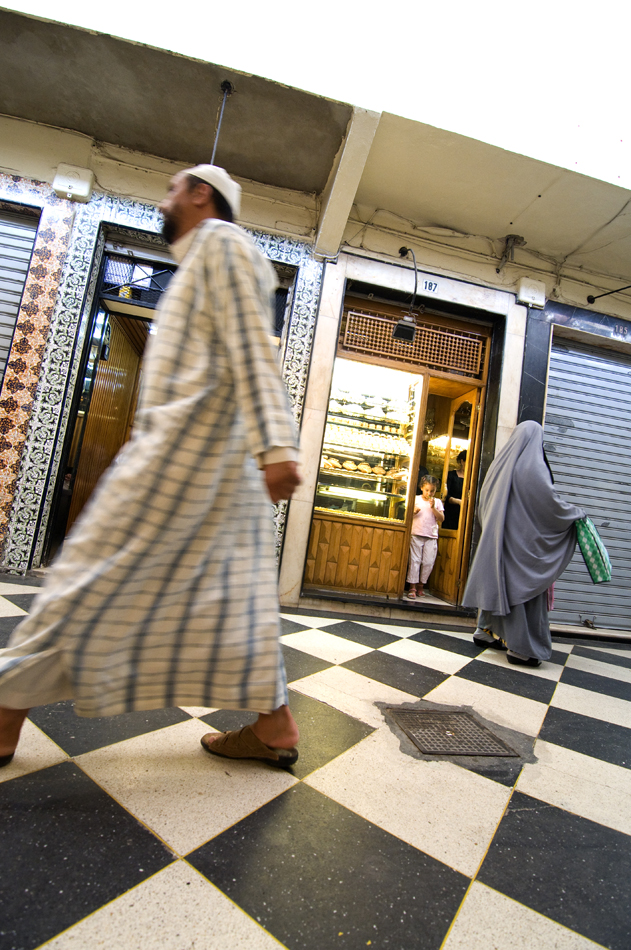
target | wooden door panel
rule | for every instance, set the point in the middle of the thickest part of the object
(107, 425)
(347, 556)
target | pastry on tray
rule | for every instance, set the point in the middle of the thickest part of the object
(349, 466)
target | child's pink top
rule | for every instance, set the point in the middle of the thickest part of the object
(424, 522)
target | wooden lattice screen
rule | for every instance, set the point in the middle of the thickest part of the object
(434, 346)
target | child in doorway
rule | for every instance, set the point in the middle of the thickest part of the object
(428, 515)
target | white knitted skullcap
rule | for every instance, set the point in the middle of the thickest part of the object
(221, 180)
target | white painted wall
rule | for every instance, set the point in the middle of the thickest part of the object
(475, 258)
(34, 151)
(395, 277)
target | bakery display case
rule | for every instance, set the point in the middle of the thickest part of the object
(369, 442)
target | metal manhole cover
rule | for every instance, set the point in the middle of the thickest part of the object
(448, 733)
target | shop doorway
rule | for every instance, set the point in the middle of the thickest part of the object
(110, 377)
(396, 410)
(451, 431)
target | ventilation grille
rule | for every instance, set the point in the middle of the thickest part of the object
(448, 733)
(437, 347)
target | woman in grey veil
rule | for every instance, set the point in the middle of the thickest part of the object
(527, 541)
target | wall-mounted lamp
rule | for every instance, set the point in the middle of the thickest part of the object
(511, 241)
(592, 299)
(405, 329)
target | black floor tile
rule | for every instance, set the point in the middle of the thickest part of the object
(620, 660)
(570, 869)
(522, 684)
(289, 626)
(558, 657)
(360, 633)
(226, 720)
(317, 876)
(73, 849)
(444, 642)
(24, 601)
(605, 685)
(393, 671)
(76, 734)
(21, 580)
(325, 732)
(7, 626)
(299, 664)
(602, 740)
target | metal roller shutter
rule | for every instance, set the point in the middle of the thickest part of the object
(588, 442)
(17, 235)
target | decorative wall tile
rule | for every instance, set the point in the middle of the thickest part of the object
(60, 301)
(19, 387)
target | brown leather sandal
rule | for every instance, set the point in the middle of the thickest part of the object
(244, 744)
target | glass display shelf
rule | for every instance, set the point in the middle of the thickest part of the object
(368, 442)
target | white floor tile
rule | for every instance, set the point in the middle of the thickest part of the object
(7, 609)
(393, 629)
(8, 588)
(578, 783)
(176, 909)
(313, 622)
(198, 711)
(489, 920)
(426, 655)
(35, 751)
(181, 792)
(622, 673)
(325, 645)
(547, 670)
(562, 646)
(585, 702)
(352, 693)
(448, 812)
(506, 709)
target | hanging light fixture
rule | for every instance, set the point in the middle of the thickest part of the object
(227, 89)
(405, 329)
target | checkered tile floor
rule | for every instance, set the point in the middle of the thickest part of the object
(122, 833)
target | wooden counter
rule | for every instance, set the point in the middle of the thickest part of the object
(353, 554)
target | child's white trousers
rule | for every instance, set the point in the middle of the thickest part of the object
(423, 553)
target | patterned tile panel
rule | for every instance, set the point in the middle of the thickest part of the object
(59, 295)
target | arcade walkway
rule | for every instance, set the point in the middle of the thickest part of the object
(123, 834)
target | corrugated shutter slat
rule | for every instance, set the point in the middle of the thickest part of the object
(588, 442)
(17, 236)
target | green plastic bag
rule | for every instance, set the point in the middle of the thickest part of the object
(593, 550)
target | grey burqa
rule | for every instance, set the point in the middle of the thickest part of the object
(528, 538)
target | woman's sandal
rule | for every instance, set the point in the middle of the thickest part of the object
(484, 644)
(411, 595)
(523, 661)
(244, 744)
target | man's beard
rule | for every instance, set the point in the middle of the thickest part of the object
(169, 229)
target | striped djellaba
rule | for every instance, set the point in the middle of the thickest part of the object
(165, 592)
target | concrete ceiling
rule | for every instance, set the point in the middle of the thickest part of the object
(163, 104)
(438, 179)
(152, 101)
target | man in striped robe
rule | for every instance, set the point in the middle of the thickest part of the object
(165, 593)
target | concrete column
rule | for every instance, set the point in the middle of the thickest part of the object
(510, 385)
